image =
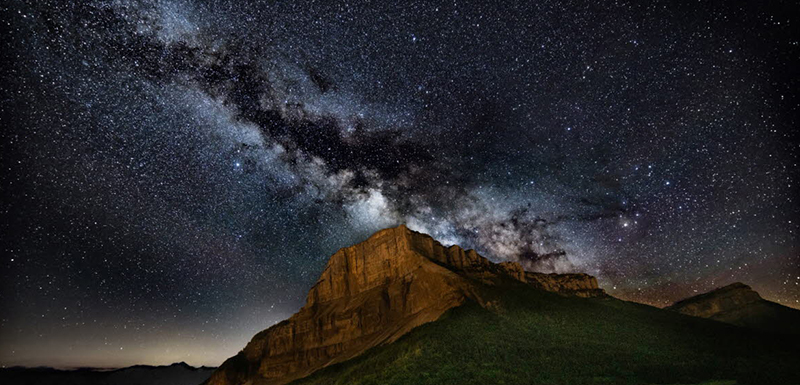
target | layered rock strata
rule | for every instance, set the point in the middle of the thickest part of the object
(372, 293)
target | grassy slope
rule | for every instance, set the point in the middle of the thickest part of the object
(764, 315)
(542, 338)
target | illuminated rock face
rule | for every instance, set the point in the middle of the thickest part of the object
(374, 292)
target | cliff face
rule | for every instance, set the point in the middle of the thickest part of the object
(740, 305)
(373, 293)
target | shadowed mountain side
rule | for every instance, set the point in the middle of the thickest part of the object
(536, 337)
(175, 374)
(374, 292)
(740, 305)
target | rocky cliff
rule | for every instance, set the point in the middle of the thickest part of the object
(374, 292)
(740, 305)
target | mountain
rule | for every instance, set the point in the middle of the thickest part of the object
(537, 337)
(375, 292)
(175, 374)
(740, 305)
(400, 308)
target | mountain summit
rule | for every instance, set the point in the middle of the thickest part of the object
(374, 292)
(740, 305)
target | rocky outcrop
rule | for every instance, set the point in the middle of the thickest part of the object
(581, 285)
(717, 301)
(740, 305)
(373, 293)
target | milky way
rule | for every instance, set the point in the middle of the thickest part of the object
(176, 174)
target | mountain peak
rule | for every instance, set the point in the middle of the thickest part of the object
(716, 301)
(734, 286)
(740, 305)
(374, 292)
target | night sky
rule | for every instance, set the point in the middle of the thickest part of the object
(175, 175)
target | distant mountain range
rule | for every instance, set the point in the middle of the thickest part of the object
(401, 308)
(175, 374)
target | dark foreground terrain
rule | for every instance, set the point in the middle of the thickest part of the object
(175, 374)
(536, 337)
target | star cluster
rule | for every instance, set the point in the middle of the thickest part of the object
(176, 173)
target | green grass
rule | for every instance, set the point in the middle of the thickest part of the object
(541, 338)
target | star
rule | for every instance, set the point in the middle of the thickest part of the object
(200, 159)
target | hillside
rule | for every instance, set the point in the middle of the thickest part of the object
(740, 305)
(400, 308)
(535, 337)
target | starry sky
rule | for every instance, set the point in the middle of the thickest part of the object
(175, 174)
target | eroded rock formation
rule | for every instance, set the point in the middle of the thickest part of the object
(373, 293)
